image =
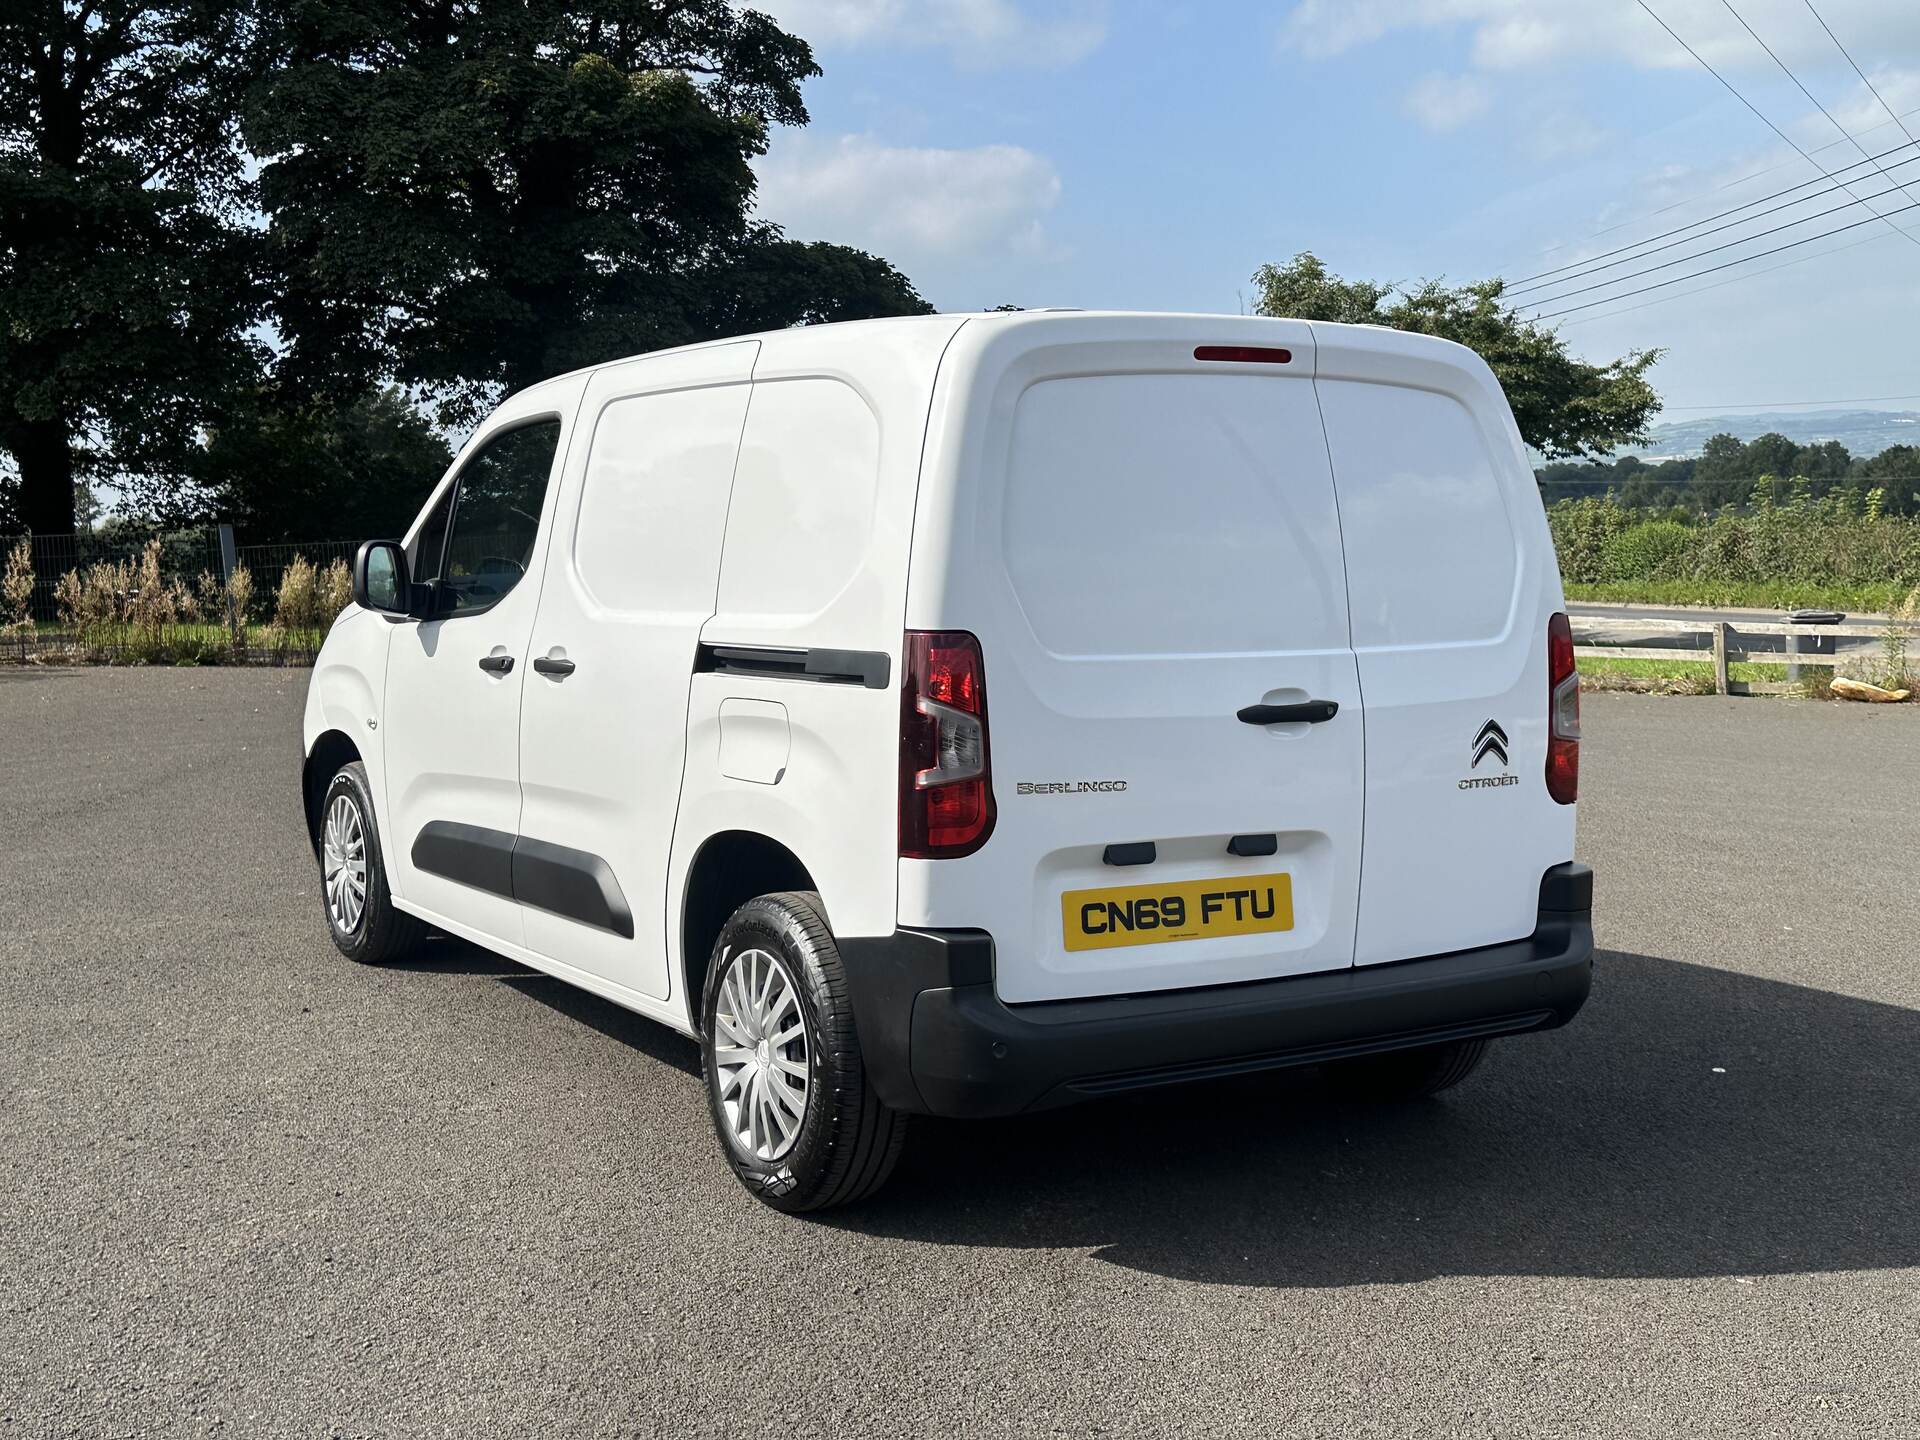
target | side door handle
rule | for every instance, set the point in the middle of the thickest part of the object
(1312, 711)
(496, 664)
(548, 665)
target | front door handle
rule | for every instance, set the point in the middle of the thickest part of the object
(496, 664)
(549, 665)
(1311, 711)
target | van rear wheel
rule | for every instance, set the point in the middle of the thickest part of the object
(786, 1086)
(1409, 1074)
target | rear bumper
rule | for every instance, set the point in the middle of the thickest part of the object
(938, 1041)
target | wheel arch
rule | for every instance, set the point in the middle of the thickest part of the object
(330, 750)
(729, 869)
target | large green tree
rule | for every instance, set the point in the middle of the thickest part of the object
(126, 269)
(1564, 406)
(283, 471)
(471, 195)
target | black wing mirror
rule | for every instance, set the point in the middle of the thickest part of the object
(380, 581)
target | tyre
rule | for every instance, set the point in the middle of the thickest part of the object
(1409, 1074)
(353, 880)
(785, 1084)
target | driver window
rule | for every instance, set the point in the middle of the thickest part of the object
(496, 517)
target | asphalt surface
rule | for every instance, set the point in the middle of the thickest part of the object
(251, 1189)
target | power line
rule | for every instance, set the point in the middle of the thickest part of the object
(1716, 249)
(1527, 280)
(1897, 119)
(1731, 280)
(1733, 184)
(1802, 88)
(1582, 270)
(1731, 90)
(1872, 89)
(1739, 260)
(1790, 404)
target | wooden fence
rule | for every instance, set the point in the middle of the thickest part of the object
(1725, 639)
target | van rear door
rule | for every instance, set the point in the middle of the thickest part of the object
(1147, 545)
(1451, 578)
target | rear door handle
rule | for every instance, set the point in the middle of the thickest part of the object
(496, 664)
(1311, 711)
(548, 665)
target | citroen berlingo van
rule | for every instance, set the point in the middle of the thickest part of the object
(964, 715)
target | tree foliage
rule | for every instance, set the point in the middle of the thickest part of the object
(1729, 473)
(1563, 406)
(126, 271)
(287, 473)
(473, 195)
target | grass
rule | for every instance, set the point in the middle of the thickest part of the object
(185, 643)
(1683, 677)
(1748, 595)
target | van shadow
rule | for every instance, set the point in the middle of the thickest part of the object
(441, 954)
(1691, 1122)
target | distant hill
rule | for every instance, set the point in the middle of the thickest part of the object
(1863, 432)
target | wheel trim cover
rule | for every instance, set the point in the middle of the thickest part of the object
(762, 1061)
(343, 860)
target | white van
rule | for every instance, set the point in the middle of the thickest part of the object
(964, 715)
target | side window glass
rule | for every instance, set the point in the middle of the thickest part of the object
(496, 517)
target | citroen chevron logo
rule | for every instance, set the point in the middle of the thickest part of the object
(1491, 740)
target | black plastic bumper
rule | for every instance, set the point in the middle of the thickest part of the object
(938, 1041)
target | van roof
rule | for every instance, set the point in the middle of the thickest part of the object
(939, 328)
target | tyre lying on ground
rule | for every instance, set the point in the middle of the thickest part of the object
(677, 689)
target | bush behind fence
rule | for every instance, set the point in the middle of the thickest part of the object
(1841, 539)
(171, 600)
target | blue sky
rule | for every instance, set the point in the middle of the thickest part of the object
(1130, 154)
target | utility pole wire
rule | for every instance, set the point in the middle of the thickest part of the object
(1710, 250)
(1804, 91)
(1583, 271)
(1722, 284)
(1733, 91)
(1528, 281)
(1740, 260)
(1858, 71)
(1733, 184)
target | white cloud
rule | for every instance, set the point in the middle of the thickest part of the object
(1518, 34)
(978, 33)
(1446, 102)
(912, 205)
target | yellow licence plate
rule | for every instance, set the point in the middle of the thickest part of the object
(1176, 910)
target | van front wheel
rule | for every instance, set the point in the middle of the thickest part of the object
(786, 1087)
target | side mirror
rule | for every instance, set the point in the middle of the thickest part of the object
(380, 579)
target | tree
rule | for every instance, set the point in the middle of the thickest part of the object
(770, 282)
(1564, 406)
(1897, 471)
(126, 275)
(286, 473)
(473, 195)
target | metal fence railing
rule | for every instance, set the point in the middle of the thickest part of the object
(268, 563)
(183, 553)
(94, 599)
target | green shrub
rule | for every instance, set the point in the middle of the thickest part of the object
(1656, 550)
(1786, 542)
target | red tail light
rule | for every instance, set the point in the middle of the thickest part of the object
(946, 785)
(1563, 713)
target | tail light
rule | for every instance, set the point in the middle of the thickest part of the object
(1563, 713)
(946, 785)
